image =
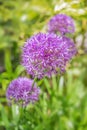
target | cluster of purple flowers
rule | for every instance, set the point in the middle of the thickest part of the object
(22, 91)
(47, 54)
(42, 56)
(61, 23)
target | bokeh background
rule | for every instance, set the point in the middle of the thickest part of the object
(63, 102)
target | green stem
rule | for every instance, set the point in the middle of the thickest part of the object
(34, 81)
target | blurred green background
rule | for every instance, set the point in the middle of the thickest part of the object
(63, 102)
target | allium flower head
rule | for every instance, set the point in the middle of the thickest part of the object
(22, 91)
(61, 23)
(47, 54)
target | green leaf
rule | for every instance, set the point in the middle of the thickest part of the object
(15, 113)
(19, 70)
(4, 117)
(8, 64)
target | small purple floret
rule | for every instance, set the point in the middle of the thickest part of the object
(61, 23)
(21, 91)
(47, 54)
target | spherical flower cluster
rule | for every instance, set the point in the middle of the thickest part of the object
(22, 91)
(61, 23)
(47, 54)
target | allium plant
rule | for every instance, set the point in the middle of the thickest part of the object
(43, 55)
(47, 54)
(61, 23)
(22, 91)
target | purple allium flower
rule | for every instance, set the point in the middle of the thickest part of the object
(61, 23)
(22, 91)
(47, 54)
